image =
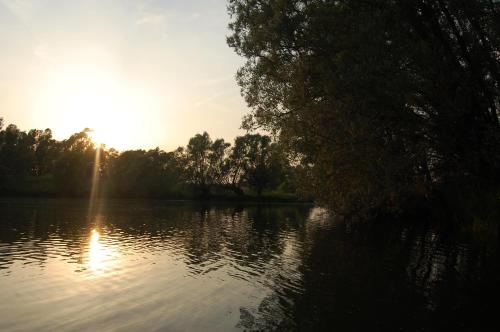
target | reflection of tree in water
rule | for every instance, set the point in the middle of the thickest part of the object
(206, 238)
(29, 231)
(284, 279)
(242, 239)
(382, 277)
(433, 261)
(457, 279)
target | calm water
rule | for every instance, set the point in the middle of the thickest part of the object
(157, 266)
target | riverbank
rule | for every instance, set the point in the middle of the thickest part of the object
(266, 197)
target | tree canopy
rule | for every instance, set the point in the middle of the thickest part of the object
(379, 100)
(33, 163)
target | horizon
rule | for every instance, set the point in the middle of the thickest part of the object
(141, 75)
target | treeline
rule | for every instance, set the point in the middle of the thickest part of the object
(34, 163)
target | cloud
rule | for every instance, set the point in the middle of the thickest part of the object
(151, 18)
(195, 16)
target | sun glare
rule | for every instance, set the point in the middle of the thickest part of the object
(101, 258)
(96, 137)
(96, 98)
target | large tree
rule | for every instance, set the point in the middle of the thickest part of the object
(380, 99)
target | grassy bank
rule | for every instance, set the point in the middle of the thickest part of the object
(47, 186)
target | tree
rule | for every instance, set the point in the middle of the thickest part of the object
(256, 161)
(16, 151)
(380, 100)
(139, 173)
(34, 163)
(46, 150)
(218, 164)
(206, 163)
(236, 161)
(74, 166)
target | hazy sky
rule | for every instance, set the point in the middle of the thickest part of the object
(142, 73)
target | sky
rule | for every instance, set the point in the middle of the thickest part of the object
(142, 74)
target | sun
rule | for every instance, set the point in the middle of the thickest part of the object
(86, 96)
(96, 137)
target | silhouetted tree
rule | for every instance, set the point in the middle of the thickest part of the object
(380, 100)
(206, 162)
(74, 167)
(140, 173)
(46, 150)
(256, 161)
(35, 163)
(237, 160)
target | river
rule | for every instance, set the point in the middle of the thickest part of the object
(132, 265)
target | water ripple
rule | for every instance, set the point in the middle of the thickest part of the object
(159, 266)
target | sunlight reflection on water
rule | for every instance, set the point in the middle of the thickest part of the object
(101, 258)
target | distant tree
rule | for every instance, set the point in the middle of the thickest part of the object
(46, 150)
(236, 161)
(34, 162)
(257, 162)
(264, 166)
(218, 163)
(24, 155)
(16, 151)
(173, 168)
(206, 162)
(140, 173)
(197, 163)
(74, 166)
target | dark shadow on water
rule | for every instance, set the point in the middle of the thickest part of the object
(386, 276)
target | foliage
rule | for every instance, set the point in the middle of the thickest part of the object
(258, 162)
(34, 163)
(379, 100)
(206, 163)
(140, 173)
(74, 165)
